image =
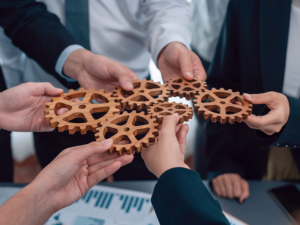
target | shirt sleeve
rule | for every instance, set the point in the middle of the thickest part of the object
(62, 59)
(166, 21)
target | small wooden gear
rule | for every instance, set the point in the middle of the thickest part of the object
(122, 127)
(160, 110)
(81, 109)
(185, 88)
(221, 106)
(144, 94)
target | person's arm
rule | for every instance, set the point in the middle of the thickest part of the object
(82, 166)
(279, 122)
(168, 38)
(43, 38)
(179, 196)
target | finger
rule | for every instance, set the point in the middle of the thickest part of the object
(61, 111)
(186, 66)
(99, 175)
(181, 137)
(245, 191)
(264, 98)
(44, 88)
(198, 70)
(125, 77)
(258, 122)
(124, 159)
(237, 189)
(228, 186)
(169, 125)
(101, 157)
(221, 187)
(84, 152)
(177, 128)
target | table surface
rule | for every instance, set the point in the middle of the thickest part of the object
(258, 209)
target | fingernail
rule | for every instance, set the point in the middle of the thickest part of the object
(247, 95)
(176, 114)
(128, 85)
(61, 90)
(107, 142)
(189, 74)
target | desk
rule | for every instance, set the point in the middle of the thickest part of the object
(258, 209)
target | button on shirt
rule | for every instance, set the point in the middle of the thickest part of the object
(127, 31)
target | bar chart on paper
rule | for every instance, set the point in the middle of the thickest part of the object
(106, 206)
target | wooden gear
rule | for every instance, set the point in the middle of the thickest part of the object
(185, 88)
(81, 109)
(221, 106)
(123, 128)
(160, 110)
(142, 95)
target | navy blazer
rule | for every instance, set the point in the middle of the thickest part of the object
(250, 58)
(36, 32)
(180, 197)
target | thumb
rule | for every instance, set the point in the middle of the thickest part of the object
(264, 98)
(186, 66)
(125, 77)
(169, 125)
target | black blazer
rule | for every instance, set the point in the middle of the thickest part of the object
(36, 32)
(180, 197)
(250, 58)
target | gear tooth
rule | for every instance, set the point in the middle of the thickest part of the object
(81, 89)
(71, 90)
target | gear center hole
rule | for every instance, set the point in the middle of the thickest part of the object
(126, 129)
(170, 109)
(141, 91)
(186, 84)
(82, 107)
(222, 102)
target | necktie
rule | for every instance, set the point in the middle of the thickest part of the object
(77, 21)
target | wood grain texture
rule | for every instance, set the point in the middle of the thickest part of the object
(219, 105)
(80, 109)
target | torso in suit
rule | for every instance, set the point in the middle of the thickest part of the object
(250, 58)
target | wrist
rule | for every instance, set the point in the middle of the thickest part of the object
(75, 62)
(167, 167)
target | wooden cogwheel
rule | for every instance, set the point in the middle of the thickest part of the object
(80, 109)
(144, 94)
(221, 106)
(124, 128)
(185, 88)
(160, 110)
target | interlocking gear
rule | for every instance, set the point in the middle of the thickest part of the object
(144, 94)
(160, 110)
(185, 88)
(221, 106)
(80, 109)
(124, 128)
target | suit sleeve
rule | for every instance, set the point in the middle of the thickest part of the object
(35, 31)
(289, 136)
(180, 197)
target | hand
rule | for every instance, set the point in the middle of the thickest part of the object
(231, 185)
(83, 167)
(22, 107)
(276, 118)
(169, 150)
(65, 180)
(98, 71)
(176, 60)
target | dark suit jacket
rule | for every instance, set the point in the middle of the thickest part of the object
(36, 32)
(250, 58)
(180, 197)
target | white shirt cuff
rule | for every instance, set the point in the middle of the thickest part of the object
(62, 59)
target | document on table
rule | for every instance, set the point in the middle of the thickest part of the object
(232, 220)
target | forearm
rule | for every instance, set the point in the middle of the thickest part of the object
(28, 206)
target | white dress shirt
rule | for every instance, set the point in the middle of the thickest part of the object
(127, 31)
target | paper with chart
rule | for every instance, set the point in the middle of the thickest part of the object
(107, 206)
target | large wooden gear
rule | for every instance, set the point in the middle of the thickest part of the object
(144, 94)
(185, 88)
(160, 110)
(81, 109)
(219, 105)
(122, 127)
